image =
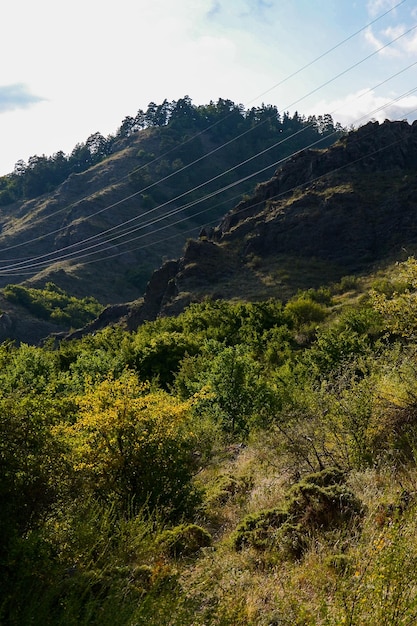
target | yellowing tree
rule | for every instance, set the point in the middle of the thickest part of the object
(133, 445)
(399, 309)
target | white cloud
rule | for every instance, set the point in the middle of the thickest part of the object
(410, 44)
(377, 42)
(96, 62)
(379, 6)
(358, 108)
(16, 96)
(403, 44)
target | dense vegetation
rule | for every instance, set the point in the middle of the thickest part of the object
(178, 122)
(53, 304)
(240, 464)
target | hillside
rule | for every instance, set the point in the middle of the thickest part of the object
(240, 464)
(99, 221)
(348, 209)
(237, 448)
(325, 214)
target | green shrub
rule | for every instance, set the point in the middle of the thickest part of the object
(319, 507)
(319, 502)
(347, 283)
(259, 530)
(52, 303)
(304, 310)
(225, 488)
(184, 540)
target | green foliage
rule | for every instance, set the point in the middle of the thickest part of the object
(331, 422)
(354, 335)
(398, 307)
(396, 430)
(184, 540)
(26, 369)
(30, 459)
(320, 502)
(132, 445)
(53, 304)
(305, 310)
(382, 588)
(159, 356)
(347, 283)
(42, 174)
(259, 530)
(103, 572)
(121, 456)
(237, 396)
(225, 488)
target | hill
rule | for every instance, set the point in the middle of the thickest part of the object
(349, 209)
(97, 222)
(243, 464)
(248, 459)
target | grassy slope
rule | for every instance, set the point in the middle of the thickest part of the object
(328, 567)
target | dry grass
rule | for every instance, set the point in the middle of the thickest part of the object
(347, 575)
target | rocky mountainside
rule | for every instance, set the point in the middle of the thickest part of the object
(325, 214)
(346, 209)
(131, 201)
(60, 232)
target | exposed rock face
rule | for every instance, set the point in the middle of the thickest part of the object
(111, 315)
(352, 204)
(373, 148)
(23, 328)
(327, 204)
(161, 288)
(6, 326)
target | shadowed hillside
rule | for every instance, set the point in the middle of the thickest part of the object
(97, 222)
(323, 215)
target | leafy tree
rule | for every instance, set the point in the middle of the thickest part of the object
(235, 393)
(52, 303)
(159, 356)
(133, 445)
(32, 469)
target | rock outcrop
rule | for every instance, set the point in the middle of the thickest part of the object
(353, 205)
(348, 207)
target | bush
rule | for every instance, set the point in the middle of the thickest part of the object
(321, 506)
(133, 446)
(259, 530)
(304, 310)
(318, 503)
(52, 303)
(225, 488)
(184, 540)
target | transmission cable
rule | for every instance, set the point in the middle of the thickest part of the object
(219, 121)
(15, 270)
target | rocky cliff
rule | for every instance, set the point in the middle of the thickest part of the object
(336, 211)
(323, 215)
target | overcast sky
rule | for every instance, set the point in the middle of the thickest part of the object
(72, 68)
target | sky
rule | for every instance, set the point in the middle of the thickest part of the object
(73, 68)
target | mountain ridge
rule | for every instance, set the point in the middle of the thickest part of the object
(335, 211)
(131, 200)
(324, 214)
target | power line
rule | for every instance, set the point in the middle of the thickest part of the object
(129, 197)
(15, 270)
(25, 264)
(28, 263)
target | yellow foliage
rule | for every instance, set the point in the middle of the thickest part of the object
(130, 440)
(400, 310)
